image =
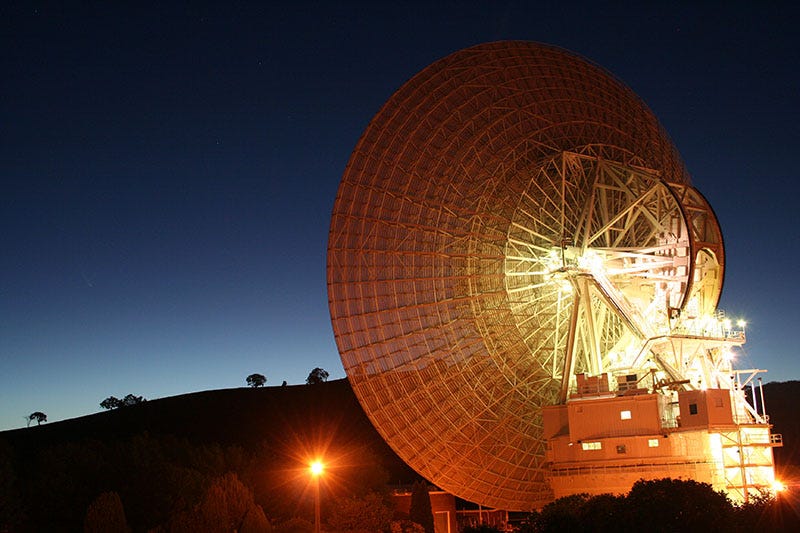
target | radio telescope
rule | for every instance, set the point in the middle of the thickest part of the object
(513, 217)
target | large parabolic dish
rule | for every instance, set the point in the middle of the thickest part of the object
(512, 216)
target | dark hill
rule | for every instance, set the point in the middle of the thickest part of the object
(325, 415)
(782, 400)
(247, 417)
(330, 411)
(160, 455)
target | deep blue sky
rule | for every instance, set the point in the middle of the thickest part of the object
(168, 174)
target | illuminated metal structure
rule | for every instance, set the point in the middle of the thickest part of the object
(515, 239)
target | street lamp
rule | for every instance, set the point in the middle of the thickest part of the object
(316, 471)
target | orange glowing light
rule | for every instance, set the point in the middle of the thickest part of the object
(778, 486)
(316, 468)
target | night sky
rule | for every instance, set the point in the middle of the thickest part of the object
(168, 174)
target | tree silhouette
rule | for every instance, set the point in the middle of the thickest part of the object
(317, 375)
(38, 416)
(673, 503)
(369, 513)
(420, 510)
(111, 402)
(295, 525)
(406, 526)
(115, 403)
(227, 505)
(659, 505)
(105, 513)
(481, 529)
(130, 399)
(256, 380)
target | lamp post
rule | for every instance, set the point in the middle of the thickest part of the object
(316, 471)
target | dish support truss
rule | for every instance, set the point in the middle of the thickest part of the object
(607, 264)
(618, 277)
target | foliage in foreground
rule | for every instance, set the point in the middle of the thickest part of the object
(106, 513)
(227, 505)
(406, 526)
(481, 529)
(166, 484)
(367, 514)
(420, 511)
(663, 505)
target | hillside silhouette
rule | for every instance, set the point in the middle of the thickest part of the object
(324, 415)
(160, 455)
(247, 417)
(782, 399)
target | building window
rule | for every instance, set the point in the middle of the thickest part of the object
(624, 415)
(653, 443)
(592, 445)
(621, 448)
(692, 408)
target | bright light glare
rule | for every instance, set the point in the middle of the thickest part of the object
(591, 261)
(778, 486)
(316, 468)
(741, 323)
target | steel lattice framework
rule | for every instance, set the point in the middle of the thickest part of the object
(511, 216)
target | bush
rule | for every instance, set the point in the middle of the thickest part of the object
(481, 529)
(420, 511)
(406, 526)
(295, 525)
(671, 504)
(654, 505)
(105, 514)
(368, 514)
